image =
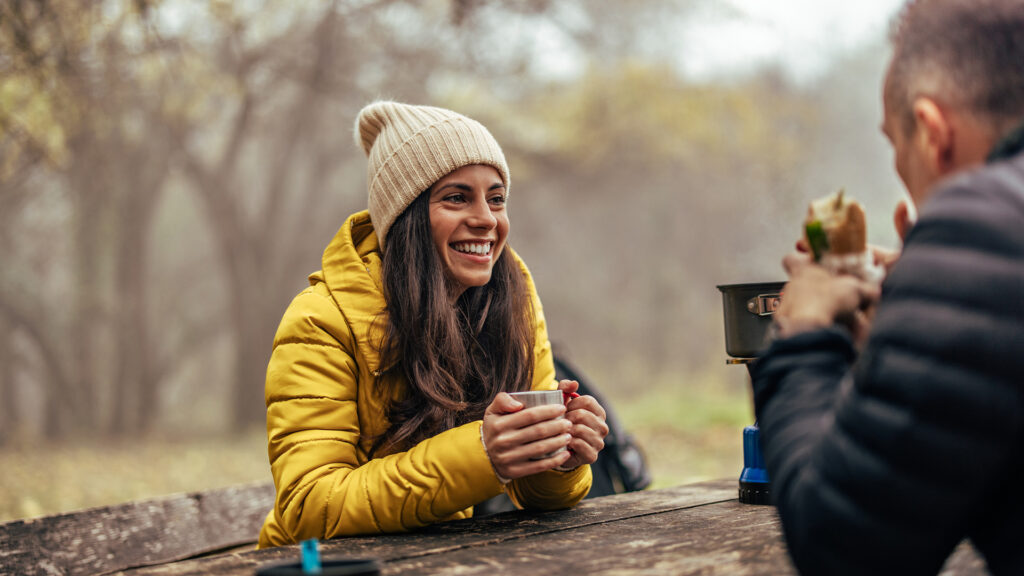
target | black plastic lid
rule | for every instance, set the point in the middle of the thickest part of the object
(344, 567)
(755, 493)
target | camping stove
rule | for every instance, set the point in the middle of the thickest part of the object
(747, 310)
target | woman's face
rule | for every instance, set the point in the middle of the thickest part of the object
(469, 224)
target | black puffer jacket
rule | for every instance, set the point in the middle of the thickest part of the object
(882, 464)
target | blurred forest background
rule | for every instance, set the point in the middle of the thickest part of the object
(170, 172)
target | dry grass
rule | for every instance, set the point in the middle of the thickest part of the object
(689, 433)
(39, 480)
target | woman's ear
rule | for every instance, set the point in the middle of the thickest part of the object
(934, 135)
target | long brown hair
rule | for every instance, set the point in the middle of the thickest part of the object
(455, 359)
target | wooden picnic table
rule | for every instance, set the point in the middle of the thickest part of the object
(692, 529)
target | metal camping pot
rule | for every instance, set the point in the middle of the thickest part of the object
(748, 310)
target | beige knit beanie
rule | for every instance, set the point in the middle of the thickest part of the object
(411, 147)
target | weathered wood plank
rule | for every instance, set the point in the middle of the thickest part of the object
(138, 533)
(443, 538)
(720, 538)
(695, 529)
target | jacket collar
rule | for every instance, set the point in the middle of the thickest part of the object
(1009, 146)
(352, 271)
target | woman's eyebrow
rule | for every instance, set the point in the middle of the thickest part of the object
(467, 187)
(458, 185)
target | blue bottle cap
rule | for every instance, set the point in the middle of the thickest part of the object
(311, 556)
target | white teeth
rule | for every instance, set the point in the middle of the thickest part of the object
(472, 248)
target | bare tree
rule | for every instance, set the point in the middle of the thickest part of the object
(83, 75)
(8, 399)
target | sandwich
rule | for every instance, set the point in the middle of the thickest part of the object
(835, 225)
(835, 231)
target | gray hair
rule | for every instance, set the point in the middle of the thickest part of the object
(967, 54)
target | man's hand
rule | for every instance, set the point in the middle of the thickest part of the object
(815, 298)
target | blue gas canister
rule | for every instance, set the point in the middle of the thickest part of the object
(755, 487)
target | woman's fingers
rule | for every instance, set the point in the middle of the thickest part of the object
(513, 436)
(504, 403)
(586, 444)
(585, 452)
(529, 467)
(585, 404)
(568, 387)
(590, 428)
(520, 417)
(532, 451)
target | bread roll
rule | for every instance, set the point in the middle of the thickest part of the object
(836, 225)
(836, 232)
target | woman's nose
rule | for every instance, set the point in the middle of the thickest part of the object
(481, 216)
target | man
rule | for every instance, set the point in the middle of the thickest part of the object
(890, 442)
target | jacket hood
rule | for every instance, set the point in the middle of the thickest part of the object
(352, 271)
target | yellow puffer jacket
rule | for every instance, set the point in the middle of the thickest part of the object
(322, 410)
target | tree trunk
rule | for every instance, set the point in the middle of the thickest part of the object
(135, 385)
(131, 336)
(60, 397)
(8, 400)
(252, 351)
(246, 245)
(87, 178)
(245, 287)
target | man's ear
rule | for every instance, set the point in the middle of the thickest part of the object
(934, 135)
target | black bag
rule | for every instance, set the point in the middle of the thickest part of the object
(620, 467)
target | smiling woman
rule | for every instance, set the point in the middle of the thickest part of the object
(387, 404)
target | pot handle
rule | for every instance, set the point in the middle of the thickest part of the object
(764, 304)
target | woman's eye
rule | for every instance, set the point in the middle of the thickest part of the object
(497, 200)
(457, 198)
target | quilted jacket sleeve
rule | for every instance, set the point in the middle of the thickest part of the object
(884, 464)
(323, 488)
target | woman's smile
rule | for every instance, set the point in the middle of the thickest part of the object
(475, 251)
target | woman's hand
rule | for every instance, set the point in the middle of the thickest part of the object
(588, 426)
(513, 436)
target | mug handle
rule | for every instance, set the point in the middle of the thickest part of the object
(566, 397)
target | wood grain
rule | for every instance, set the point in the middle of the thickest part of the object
(693, 529)
(138, 533)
